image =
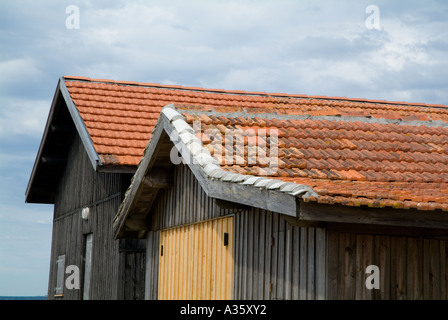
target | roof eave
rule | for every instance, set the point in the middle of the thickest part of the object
(136, 183)
(61, 92)
(42, 142)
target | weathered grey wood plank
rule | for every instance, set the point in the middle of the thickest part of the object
(303, 283)
(443, 270)
(288, 261)
(256, 256)
(333, 277)
(281, 260)
(250, 256)
(311, 264)
(321, 264)
(414, 270)
(245, 257)
(261, 256)
(80, 186)
(359, 274)
(312, 211)
(435, 268)
(268, 256)
(295, 262)
(274, 256)
(382, 258)
(350, 269)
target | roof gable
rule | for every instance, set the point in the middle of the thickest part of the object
(63, 123)
(172, 133)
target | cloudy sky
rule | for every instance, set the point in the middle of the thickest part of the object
(304, 47)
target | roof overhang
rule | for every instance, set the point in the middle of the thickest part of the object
(62, 124)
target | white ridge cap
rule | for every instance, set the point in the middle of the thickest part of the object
(251, 180)
(171, 113)
(201, 156)
(277, 184)
(181, 126)
(262, 182)
(228, 176)
(288, 187)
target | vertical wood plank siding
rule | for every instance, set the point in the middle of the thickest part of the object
(272, 259)
(275, 260)
(411, 267)
(81, 186)
(184, 203)
(152, 265)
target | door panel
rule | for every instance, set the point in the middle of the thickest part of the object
(196, 261)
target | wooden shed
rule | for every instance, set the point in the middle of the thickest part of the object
(171, 192)
(86, 191)
(317, 239)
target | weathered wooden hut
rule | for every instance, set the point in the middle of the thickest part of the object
(86, 190)
(243, 195)
(348, 194)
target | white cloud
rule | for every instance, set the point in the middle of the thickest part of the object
(23, 116)
(238, 79)
(15, 70)
(210, 42)
(406, 44)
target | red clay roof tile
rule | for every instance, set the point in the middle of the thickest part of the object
(372, 163)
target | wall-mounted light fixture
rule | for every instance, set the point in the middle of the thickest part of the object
(85, 213)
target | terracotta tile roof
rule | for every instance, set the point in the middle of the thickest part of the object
(352, 163)
(350, 151)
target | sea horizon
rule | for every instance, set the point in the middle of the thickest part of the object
(23, 297)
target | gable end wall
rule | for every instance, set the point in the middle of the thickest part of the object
(80, 186)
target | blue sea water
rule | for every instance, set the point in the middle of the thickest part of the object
(23, 298)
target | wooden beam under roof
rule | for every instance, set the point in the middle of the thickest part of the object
(159, 178)
(317, 212)
(53, 160)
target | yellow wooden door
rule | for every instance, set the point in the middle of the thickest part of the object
(196, 261)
